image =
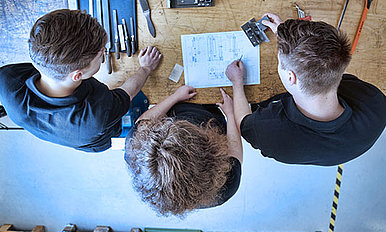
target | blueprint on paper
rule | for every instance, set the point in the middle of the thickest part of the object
(206, 57)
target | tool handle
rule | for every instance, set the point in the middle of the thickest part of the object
(358, 33)
(128, 48)
(117, 50)
(150, 25)
(108, 62)
(133, 51)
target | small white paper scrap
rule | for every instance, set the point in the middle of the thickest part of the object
(176, 73)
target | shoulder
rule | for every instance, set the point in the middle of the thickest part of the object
(268, 111)
(354, 87)
(16, 73)
(361, 96)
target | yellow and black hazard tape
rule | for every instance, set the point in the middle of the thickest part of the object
(336, 197)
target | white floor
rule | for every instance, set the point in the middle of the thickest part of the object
(44, 183)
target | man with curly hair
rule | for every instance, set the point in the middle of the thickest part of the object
(326, 117)
(185, 156)
(56, 98)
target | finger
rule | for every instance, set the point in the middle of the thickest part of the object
(271, 16)
(223, 93)
(190, 88)
(241, 65)
(192, 94)
(219, 104)
(149, 50)
(268, 24)
(143, 50)
(154, 52)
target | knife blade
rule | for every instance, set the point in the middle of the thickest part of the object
(116, 35)
(132, 39)
(99, 11)
(91, 7)
(127, 39)
(107, 26)
(146, 12)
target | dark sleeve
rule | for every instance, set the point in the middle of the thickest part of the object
(129, 135)
(248, 130)
(120, 104)
(233, 182)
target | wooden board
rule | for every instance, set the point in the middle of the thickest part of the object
(368, 63)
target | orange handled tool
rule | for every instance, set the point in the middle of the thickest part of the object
(361, 23)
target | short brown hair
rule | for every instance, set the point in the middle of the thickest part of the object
(63, 41)
(177, 166)
(317, 52)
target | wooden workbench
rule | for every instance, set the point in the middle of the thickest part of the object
(368, 63)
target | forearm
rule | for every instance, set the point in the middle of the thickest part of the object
(134, 83)
(160, 109)
(234, 139)
(240, 104)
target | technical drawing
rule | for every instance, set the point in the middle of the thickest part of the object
(206, 57)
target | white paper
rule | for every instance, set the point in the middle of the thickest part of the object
(176, 73)
(206, 57)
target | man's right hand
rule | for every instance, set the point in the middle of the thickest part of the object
(235, 72)
(184, 92)
(149, 58)
(274, 22)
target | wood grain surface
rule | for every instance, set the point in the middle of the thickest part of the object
(368, 63)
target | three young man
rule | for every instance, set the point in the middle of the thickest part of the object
(56, 98)
(326, 117)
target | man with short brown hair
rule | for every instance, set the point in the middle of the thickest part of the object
(326, 117)
(56, 98)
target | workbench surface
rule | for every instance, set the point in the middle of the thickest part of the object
(368, 62)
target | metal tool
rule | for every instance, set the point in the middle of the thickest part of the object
(116, 34)
(91, 7)
(73, 4)
(189, 3)
(342, 15)
(146, 12)
(107, 26)
(99, 12)
(127, 38)
(361, 23)
(255, 31)
(301, 14)
(122, 37)
(132, 34)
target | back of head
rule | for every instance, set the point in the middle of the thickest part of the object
(315, 51)
(63, 41)
(177, 166)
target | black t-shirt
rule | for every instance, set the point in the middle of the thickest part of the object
(86, 120)
(200, 115)
(282, 132)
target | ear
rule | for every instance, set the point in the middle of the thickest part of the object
(76, 75)
(292, 80)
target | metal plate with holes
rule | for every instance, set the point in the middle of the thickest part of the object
(189, 3)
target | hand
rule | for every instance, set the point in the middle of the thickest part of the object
(149, 58)
(274, 22)
(185, 92)
(235, 72)
(227, 105)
